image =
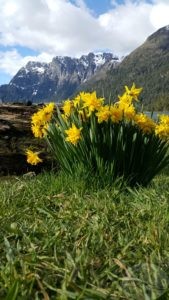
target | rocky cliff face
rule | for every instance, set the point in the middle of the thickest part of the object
(58, 80)
(15, 138)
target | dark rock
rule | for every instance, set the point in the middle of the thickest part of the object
(16, 137)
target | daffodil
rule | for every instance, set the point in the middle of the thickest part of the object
(133, 92)
(145, 123)
(36, 118)
(129, 112)
(47, 112)
(164, 119)
(41, 119)
(44, 114)
(39, 130)
(67, 107)
(32, 157)
(162, 128)
(78, 99)
(103, 114)
(125, 99)
(73, 134)
(116, 114)
(91, 102)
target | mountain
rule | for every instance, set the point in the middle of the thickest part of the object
(58, 80)
(147, 66)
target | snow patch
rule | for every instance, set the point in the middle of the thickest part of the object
(17, 86)
(85, 63)
(99, 60)
(35, 92)
(38, 69)
(35, 69)
(26, 70)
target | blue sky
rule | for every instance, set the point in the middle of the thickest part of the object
(41, 29)
(99, 6)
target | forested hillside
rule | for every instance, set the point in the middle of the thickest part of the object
(147, 66)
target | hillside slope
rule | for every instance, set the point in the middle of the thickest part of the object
(147, 66)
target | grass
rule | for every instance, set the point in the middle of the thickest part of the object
(61, 239)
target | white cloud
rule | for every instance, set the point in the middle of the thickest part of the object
(59, 27)
(159, 15)
(11, 61)
(50, 25)
(128, 25)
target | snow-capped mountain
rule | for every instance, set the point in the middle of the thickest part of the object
(56, 80)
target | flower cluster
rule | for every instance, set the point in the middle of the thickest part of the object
(86, 104)
(145, 123)
(39, 125)
(41, 119)
(88, 119)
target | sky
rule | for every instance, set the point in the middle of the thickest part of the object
(38, 30)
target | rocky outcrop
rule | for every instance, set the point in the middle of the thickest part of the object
(16, 137)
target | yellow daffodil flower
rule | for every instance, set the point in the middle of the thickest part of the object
(32, 157)
(67, 107)
(145, 123)
(103, 114)
(116, 114)
(91, 102)
(162, 129)
(73, 134)
(133, 92)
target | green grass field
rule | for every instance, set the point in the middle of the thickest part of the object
(61, 239)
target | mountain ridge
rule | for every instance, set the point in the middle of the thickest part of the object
(56, 80)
